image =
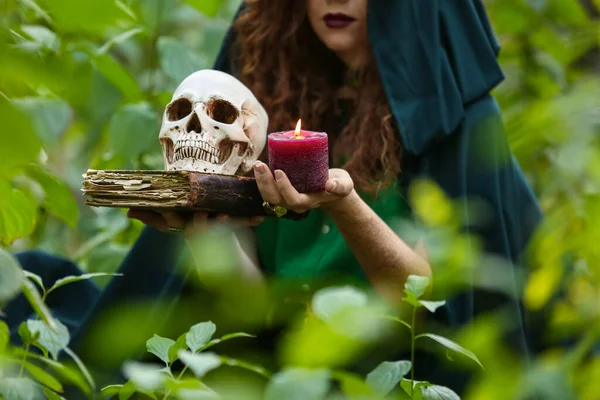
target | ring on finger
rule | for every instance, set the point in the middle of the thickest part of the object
(176, 229)
(273, 210)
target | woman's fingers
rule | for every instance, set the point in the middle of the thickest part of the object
(174, 220)
(266, 183)
(298, 202)
(149, 218)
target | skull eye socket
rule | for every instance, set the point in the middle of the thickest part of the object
(179, 109)
(222, 111)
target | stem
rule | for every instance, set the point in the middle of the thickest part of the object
(412, 354)
(24, 359)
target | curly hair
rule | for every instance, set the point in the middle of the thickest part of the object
(294, 75)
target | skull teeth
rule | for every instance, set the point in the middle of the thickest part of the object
(198, 150)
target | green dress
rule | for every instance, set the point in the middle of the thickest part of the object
(313, 249)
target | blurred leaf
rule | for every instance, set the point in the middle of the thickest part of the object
(111, 390)
(431, 204)
(353, 385)
(432, 305)
(20, 145)
(176, 60)
(159, 346)
(54, 340)
(17, 213)
(118, 39)
(42, 35)
(82, 367)
(413, 386)
(40, 308)
(43, 377)
(232, 362)
(24, 333)
(116, 74)
(299, 384)
(19, 389)
(144, 376)
(76, 278)
(51, 395)
(50, 117)
(4, 336)
(387, 376)
(208, 7)
(201, 363)
(127, 391)
(11, 276)
(435, 392)
(199, 335)
(451, 345)
(133, 130)
(36, 278)
(416, 285)
(84, 17)
(542, 283)
(58, 199)
(180, 344)
(328, 302)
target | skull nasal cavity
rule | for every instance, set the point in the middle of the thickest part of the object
(194, 124)
(222, 111)
(179, 109)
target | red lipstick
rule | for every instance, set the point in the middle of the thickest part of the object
(337, 20)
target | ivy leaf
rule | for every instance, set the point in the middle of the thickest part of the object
(76, 278)
(11, 276)
(132, 130)
(201, 363)
(435, 392)
(180, 344)
(19, 389)
(416, 285)
(43, 377)
(387, 375)
(299, 384)
(18, 212)
(449, 344)
(58, 199)
(199, 335)
(54, 340)
(432, 305)
(144, 376)
(159, 346)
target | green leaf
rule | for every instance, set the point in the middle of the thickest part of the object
(236, 335)
(449, 344)
(17, 149)
(51, 395)
(133, 130)
(11, 276)
(43, 377)
(435, 392)
(199, 335)
(118, 39)
(127, 391)
(417, 385)
(432, 305)
(33, 297)
(42, 35)
(116, 74)
(176, 60)
(82, 367)
(58, 199)
(24, 333)
(201, 363)
(110, 390)
(232, 362)
(19, 389)
(396, 319)
(329, 302)
(144, 376)
(209, 8)
(387, 375)
(4, 336)
(180, 344)
(50, 117)
(18, 212)
(159, 346)
(54, 340)
(36, 278)
(88, 17)
(412, 299)
(353, 385)
(299, 384)
(76, 278)
(416, 285)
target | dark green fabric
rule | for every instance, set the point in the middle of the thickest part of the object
(314, 249)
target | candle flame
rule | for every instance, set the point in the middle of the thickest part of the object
(297, 134)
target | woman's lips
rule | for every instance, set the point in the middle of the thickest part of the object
(337, 20)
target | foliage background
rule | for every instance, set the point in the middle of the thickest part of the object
(83, 85)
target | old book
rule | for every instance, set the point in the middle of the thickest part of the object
(184, 191)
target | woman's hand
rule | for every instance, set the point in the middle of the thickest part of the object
(171, 221)
(278, 190)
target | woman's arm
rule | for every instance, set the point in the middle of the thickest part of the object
(385, 258)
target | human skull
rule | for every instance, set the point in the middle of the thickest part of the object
(213, 124)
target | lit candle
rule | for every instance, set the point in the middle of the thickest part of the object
(303, 156)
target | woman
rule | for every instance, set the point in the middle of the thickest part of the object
(402, 87)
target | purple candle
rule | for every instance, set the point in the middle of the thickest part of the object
(303, 156)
